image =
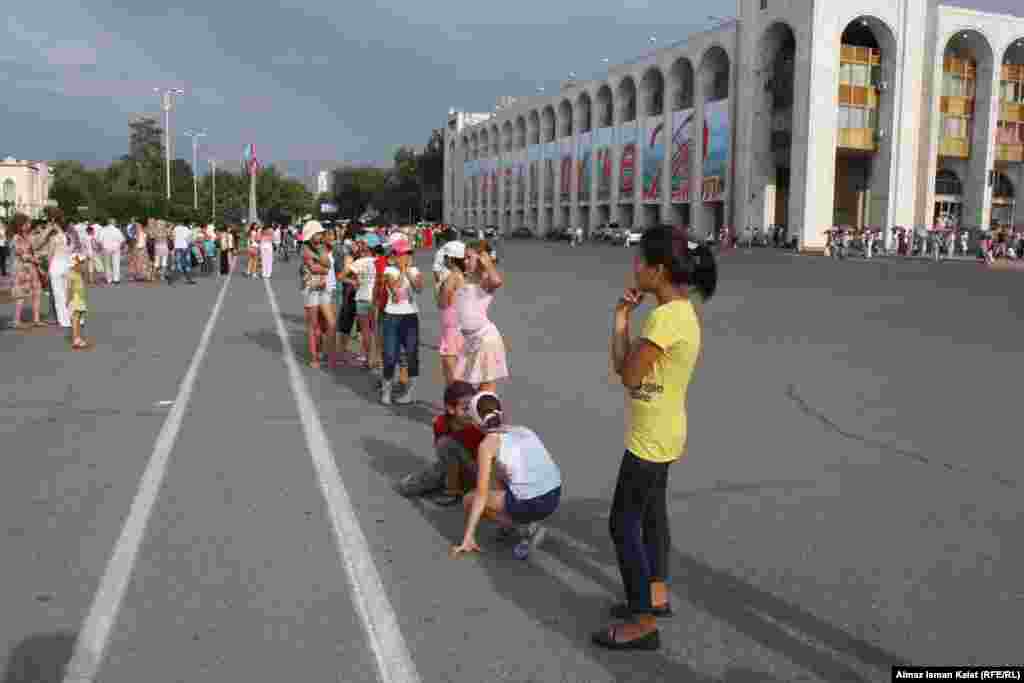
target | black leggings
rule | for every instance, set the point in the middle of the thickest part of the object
(639, 527)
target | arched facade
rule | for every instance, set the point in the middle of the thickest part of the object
(792, 116)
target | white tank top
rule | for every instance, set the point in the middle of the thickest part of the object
(526, 464)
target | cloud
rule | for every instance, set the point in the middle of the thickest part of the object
(293, 58)
(70, 53)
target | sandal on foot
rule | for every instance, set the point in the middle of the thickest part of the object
(606, 639)
(624, 611)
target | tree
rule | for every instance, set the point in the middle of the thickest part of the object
(355, 188)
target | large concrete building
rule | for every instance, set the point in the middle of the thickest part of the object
(801, 113)
(24, 187)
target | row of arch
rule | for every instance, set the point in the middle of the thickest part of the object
(607, 107)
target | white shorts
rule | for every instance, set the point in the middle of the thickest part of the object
(315, 297)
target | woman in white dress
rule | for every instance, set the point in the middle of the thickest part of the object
(59, 252)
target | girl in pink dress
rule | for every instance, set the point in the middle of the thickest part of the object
(482, 361)
(452, 278)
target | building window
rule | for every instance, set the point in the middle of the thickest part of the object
(857, 117)
(764, 4)
(947, 183)
(955, 127)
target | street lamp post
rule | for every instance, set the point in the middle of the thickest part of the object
(195, 135)
(213, 183)
(167, 103)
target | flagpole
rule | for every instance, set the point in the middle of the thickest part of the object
(252, 194)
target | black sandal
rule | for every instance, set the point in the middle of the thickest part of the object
(606, 639)
(624, 611)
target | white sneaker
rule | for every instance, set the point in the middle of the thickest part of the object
(385, 393)
(406, 398)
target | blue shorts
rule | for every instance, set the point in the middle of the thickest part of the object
(532, 509)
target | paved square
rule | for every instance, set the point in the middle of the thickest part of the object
(850, 497)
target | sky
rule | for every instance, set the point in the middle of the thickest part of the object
(316, 80)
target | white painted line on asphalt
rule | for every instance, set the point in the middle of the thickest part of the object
(164, 403)
(394, 663)
(95, 632)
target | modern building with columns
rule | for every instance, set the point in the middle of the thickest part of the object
(800, 113)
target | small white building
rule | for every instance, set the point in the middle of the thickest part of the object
(800, 113)
(24, 187)
(323, 182)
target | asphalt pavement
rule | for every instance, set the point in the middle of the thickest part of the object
(849, 500)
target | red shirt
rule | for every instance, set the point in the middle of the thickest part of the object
(380, 263)
(469, 436)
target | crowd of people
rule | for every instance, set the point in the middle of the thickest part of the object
(360, 287)
(364, 283)
(62, 260)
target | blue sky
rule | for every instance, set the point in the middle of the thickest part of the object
(303, 79)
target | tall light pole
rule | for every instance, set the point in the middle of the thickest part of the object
(195, 135)
(213, 182)
(167, 103)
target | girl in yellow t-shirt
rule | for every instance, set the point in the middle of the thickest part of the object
(656, 370)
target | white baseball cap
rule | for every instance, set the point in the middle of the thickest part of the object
(311, 228)
(455, 249)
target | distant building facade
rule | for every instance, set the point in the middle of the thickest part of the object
(24, 187)
(801, 113)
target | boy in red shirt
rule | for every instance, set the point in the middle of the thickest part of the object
(456, 440)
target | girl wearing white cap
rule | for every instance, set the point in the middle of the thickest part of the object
(450, 279)
(530, 480)
(482, 361)
(315, 266)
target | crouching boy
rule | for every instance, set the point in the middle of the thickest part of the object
(456, 440)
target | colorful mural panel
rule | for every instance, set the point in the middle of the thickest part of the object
(628, 136)
(584, 165)
(550, 152)
(716, 149)
(652, 158)
(533, 156)
(565, 169)
(604, 141)
(682, 146)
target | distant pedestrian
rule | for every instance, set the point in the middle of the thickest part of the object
(77, 304)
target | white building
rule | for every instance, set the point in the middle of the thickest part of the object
(323, 182)
(24, 187)
(814, 113)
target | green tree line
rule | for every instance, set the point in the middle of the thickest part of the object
(411, 190)
(134, 186)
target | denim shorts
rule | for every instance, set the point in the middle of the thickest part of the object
(532, 509)
(364, 307)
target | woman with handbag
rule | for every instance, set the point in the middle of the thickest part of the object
(317, 300)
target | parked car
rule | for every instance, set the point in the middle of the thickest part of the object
(470, 233)
(492, 232)
(633, 236)
(521, 233)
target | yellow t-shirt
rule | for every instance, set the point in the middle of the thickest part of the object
(657, 408)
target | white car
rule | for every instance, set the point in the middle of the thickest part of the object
(633, 237)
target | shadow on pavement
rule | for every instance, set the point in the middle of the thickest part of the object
(778, 625)
(40, 659)
(356, 380)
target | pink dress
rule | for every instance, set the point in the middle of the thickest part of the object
(451, 338)
(483, 354)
